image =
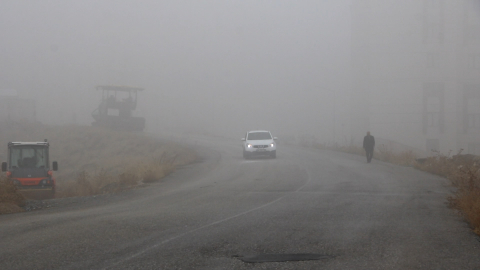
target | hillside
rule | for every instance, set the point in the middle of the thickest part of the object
(95, 160)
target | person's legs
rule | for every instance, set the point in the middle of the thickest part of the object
(369, 155)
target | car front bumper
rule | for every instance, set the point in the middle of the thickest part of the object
(260, 151)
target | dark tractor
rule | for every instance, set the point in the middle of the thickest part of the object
(115, 109)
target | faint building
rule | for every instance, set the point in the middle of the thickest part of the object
(16, 109)
(416, 72)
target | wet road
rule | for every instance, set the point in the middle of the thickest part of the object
(205, 215)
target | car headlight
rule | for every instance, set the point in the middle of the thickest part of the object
(272, 145)
(249, 146)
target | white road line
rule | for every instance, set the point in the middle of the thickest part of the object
(208, 225)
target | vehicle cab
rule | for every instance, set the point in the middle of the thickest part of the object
(28, 166)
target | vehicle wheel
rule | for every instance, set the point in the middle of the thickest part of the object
(273, 154)
(245, 155)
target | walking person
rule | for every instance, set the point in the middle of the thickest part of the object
(369, 145)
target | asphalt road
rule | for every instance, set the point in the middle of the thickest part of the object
(205, 215)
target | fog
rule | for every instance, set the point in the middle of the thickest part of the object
(298, 68)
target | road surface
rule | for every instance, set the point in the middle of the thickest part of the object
(211, 214)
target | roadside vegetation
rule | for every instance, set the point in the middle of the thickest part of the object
(462, 170)
(464, 173)
(94, 160)
(10, 200)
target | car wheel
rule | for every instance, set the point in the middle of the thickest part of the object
(273, 154)
(245, 155)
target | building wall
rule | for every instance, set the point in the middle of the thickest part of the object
(14, 109)
(414, 63)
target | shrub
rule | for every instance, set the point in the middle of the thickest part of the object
(462, 170)
(158, 168)
(10, 200)
(94, 160)
(467, 197)
(439, 164)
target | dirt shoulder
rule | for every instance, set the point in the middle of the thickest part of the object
(92, 161)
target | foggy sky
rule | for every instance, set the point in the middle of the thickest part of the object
(221, 67)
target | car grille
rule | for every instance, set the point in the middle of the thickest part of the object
(260, 146)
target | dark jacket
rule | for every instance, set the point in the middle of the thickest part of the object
(369, 142)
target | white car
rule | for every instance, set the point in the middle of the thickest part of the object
(259, 143)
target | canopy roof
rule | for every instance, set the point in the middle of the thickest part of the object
(28, 143)
(119, 88)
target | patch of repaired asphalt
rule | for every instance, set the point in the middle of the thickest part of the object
(260, 258)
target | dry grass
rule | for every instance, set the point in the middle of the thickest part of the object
(405, 158)
(158, 168)
(465, 177)
(439, 164)
(467, 197)
(10, 200)
(462, 170)
(99, 183)
(112, 161)
(95, 160)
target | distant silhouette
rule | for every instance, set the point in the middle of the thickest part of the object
(369, 145)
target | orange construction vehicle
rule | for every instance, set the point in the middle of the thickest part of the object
(29, 168)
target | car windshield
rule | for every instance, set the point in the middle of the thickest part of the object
(28, 157)
(259, 136)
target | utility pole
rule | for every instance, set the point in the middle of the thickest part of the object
(334, 116)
